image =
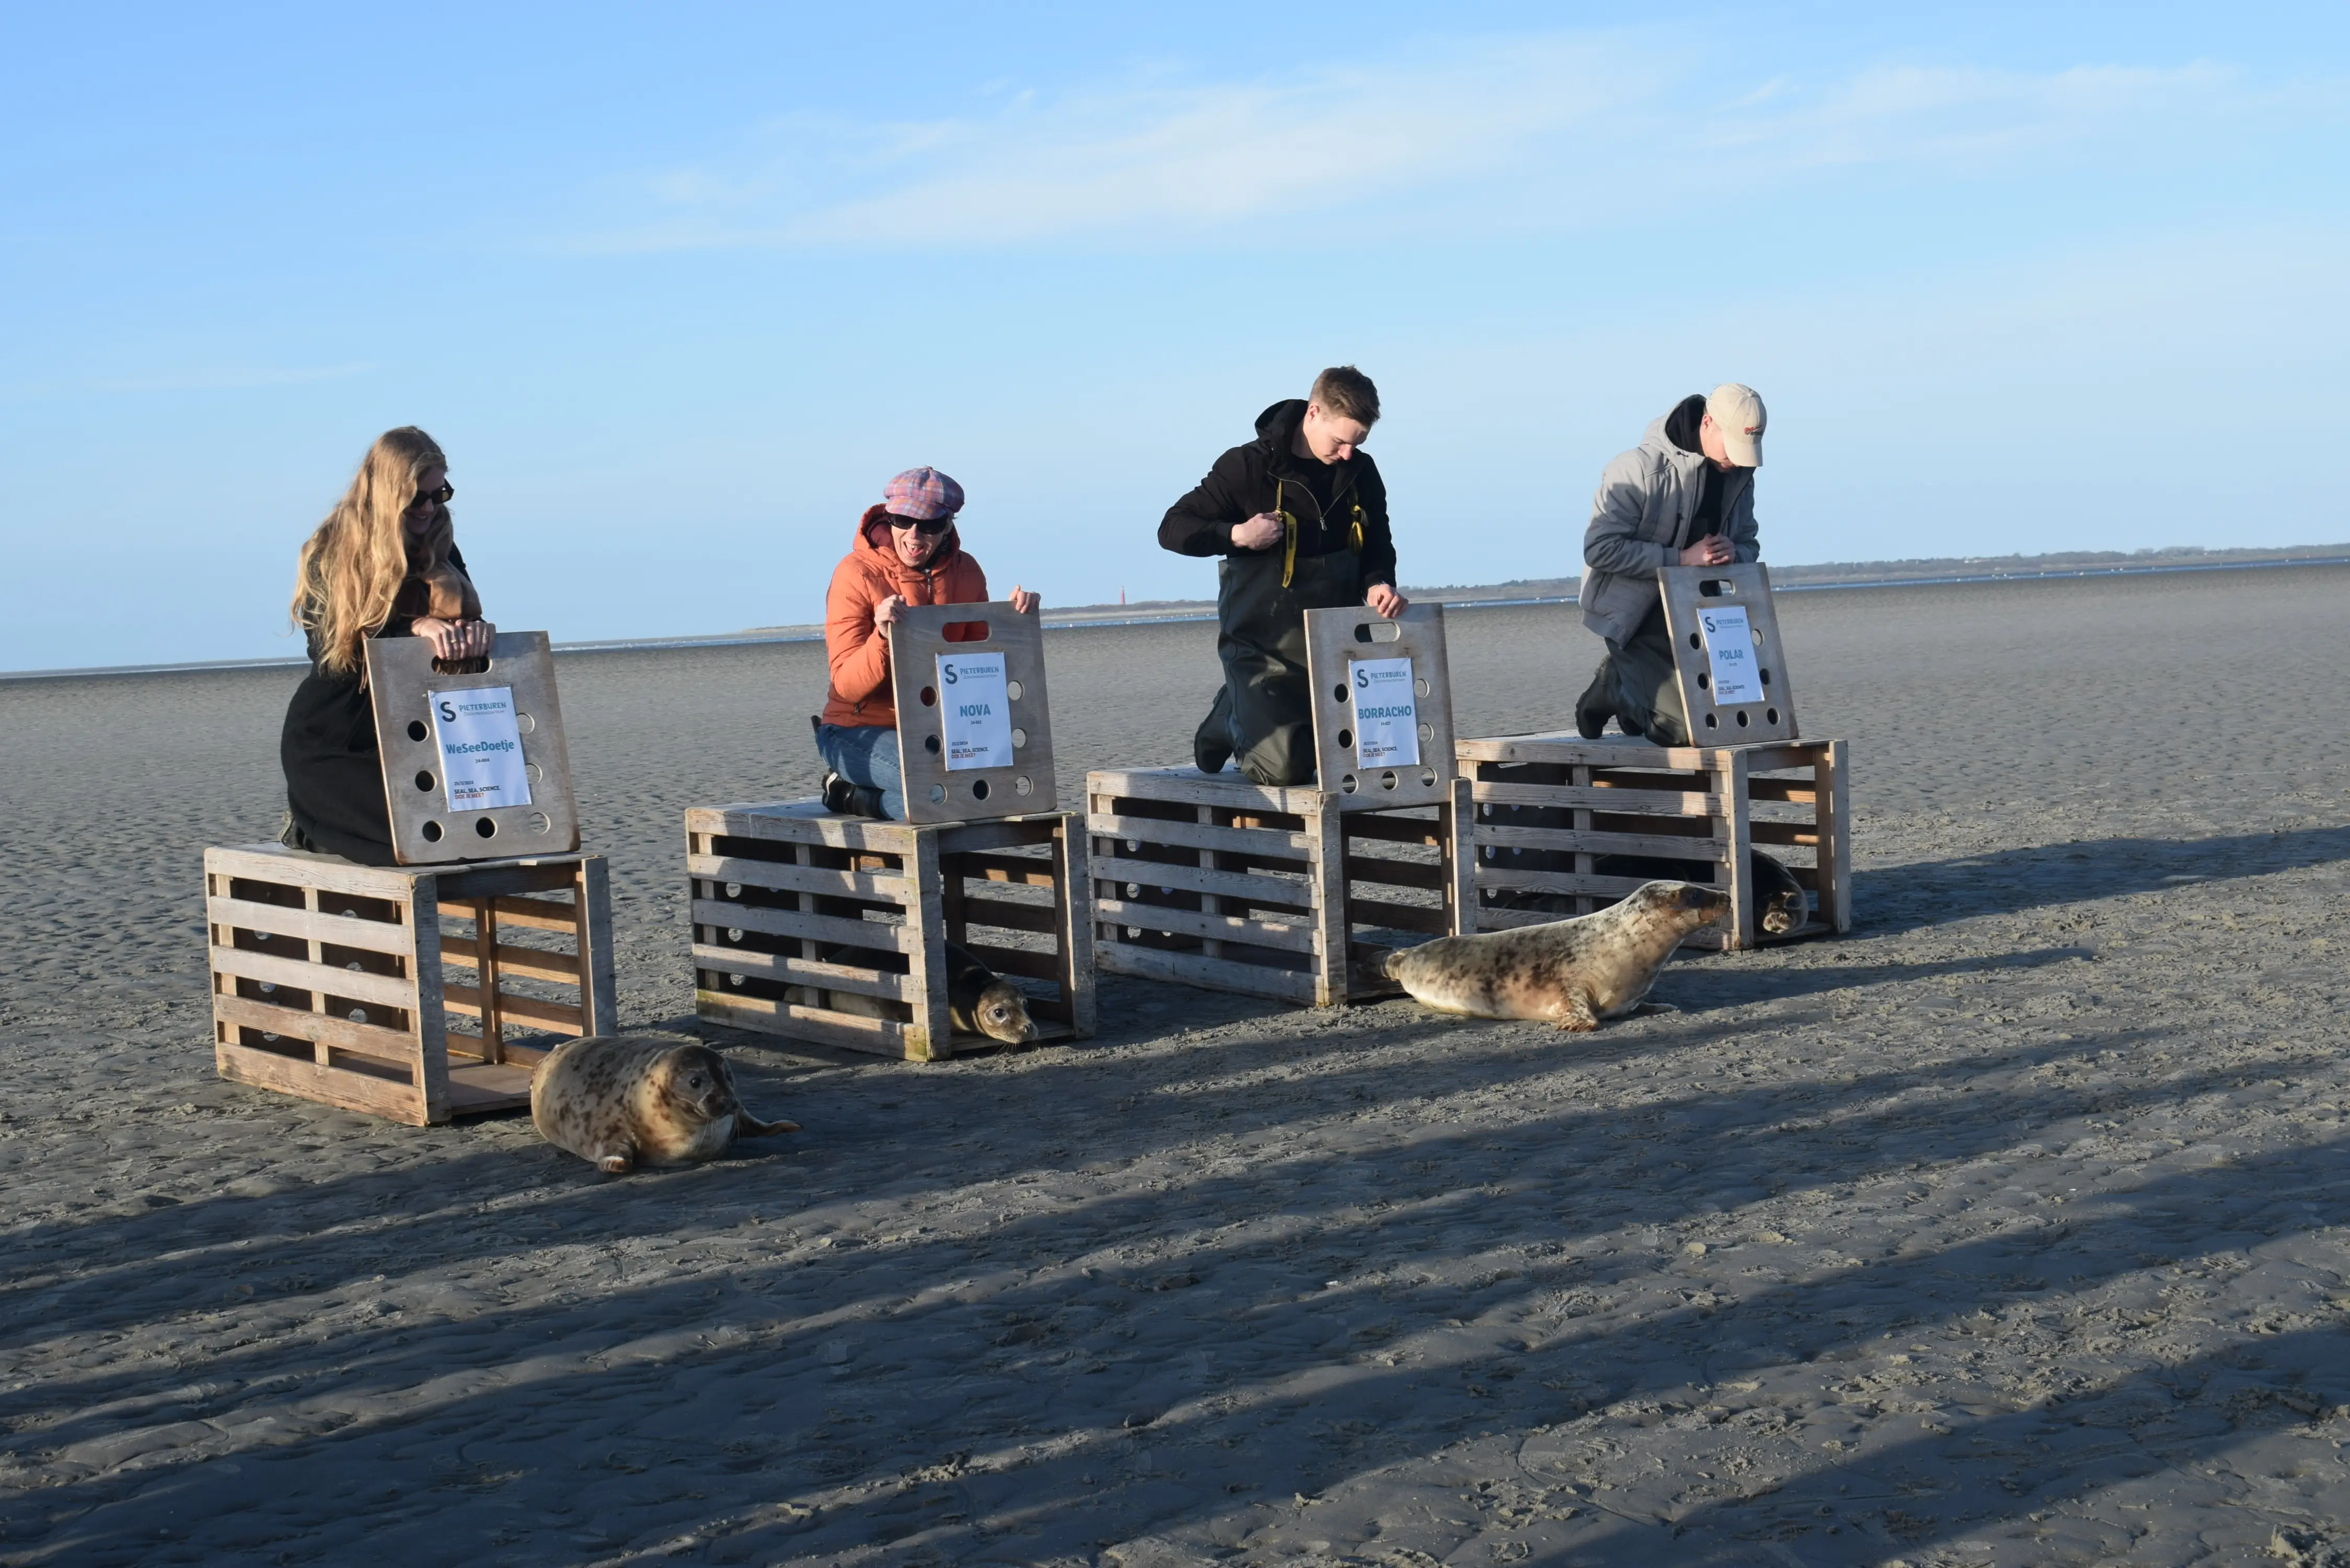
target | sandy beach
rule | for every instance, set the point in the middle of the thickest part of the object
(2011, 1228)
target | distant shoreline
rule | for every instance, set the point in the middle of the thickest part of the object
(1933, 573)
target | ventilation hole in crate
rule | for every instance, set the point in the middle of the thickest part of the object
(979, 789)
(424, 780)
(1388, 779)
(930, 696)
(1420, 684)
(1489, 852)
(353, 964)
(938, 794)
(359, 1015)
(526, 724)
(1014, 690)
(268, 988)
(1019, 737)
(1770, 715)
(733, 933)
(487, 828)
(1711, 722)
(268, 1038)
(1134, 889)
(1339, 692)
(1704, 680)
(534, 773)
(931, 744)
(1024, 784)
(1428, 732)
(1134, 933)
(1766, 678)
(733, 980)
(540, 822)
(1428, 777)
(1133, 844)
(416, 730)
(1348, 784)
(733, 889)
(1345, 738)
(1693, 640)
(431, 831)
(1743, 719)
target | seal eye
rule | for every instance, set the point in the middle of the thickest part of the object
(694, 1082)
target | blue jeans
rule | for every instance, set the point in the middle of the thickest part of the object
(866, 754)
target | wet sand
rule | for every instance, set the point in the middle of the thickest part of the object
(2011, 1228)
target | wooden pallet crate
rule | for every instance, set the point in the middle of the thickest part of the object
(1550, 808)
(1291, 893)
(330, 980)
(834, 928)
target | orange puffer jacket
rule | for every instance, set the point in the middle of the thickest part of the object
(859, 654)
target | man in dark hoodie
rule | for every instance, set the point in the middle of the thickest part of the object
(1300, 518)
(1683, 497)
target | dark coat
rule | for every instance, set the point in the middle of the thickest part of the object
(1245, 479)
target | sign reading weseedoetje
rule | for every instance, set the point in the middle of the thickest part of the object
(1730, 650)
(1386, 713)
(977, 714)
(480, 747)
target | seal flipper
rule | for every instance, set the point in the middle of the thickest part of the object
(748, 1125)
(1573, 1014)
(617, 1162)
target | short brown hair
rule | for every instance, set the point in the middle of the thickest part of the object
(1348, 393)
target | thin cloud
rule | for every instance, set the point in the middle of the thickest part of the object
(1554, 131)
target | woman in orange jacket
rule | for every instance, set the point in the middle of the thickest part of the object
(906, 552)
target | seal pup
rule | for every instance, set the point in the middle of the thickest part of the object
(626, 1100)
(979, 1000)
(1572, 972)
(1782, 905)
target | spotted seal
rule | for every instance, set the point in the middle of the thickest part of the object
(979, 1000)
(626, 1100)
(1572, 972)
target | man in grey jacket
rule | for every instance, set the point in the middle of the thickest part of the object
(1683, 497)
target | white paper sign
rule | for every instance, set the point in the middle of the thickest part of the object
(1386, 713)
(480, 747)
(978, 715)
(1729, 648)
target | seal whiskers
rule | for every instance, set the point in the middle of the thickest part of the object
(1572, 974)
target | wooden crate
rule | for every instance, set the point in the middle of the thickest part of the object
(403, 682)
(1295, 893)
(1690, 593)
(802, 920)
(330, 980)
(1548, 806)
(937, 788)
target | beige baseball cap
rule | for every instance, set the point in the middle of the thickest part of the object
(1738, 414)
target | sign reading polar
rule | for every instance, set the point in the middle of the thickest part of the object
(481, 748)
(975, 711)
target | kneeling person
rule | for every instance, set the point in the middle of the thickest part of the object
(1300, 518)
(906, 552)
(1683, 497)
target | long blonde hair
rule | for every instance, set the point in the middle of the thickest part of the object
(352, 567)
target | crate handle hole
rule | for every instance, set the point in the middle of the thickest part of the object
(1715, 587)
(964, 631)
(1378, 631)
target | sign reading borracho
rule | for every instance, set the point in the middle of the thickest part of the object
(976, 715)
(480, 747)
(1386, 713)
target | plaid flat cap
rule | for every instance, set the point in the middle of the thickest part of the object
(923, 494)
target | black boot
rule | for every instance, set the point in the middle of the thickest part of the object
(866, 801)
(840, 794)
(1211, 744)
(1597, 703)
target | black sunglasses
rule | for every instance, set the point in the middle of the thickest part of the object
(442, 496)
(921, 525)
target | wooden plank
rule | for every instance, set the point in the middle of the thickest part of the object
(1385, 912)
(1593, 841)
(1222, 928)
(1328, 831)
(807, 927)
(1624, 802)
(336, 1087)
(1212, 974)
(1016, 960)
(1734, 832)
(800, 822)
(488, 1086)
(1835, 840)
(507, 878)
(1188, 786)
(359, 985)
(1003, 833)
(875, 1037)
(1010, 917)
(536, 962)
(591, 903)
(1567, 749)
(783, 876)
(786, 970)
(1192, 879)
(1266, 843)
(1074, 904)
(1426, 831)
(529, 914)
(931, 1035)
(1794, 835)
(294, 868)
(1786, 790)
(1564, 882)
(1459, 859)
(558, 1016)
(320, 1028)
(303, 924)
(1396, 873)
(1018, 870)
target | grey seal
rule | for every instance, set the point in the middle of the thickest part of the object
(1572, 972)
(626, 1100)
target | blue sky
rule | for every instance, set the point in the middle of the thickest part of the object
(680, 287)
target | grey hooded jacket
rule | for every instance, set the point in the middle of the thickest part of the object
(1641, 521)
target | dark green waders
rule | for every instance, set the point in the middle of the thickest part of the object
(1264, 717)
(1637, 684)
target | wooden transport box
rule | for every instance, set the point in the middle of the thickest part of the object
(1551, 808)
(331, 980)
(1291, 893)
(807, 924)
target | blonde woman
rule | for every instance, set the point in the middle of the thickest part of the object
(383, 563)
